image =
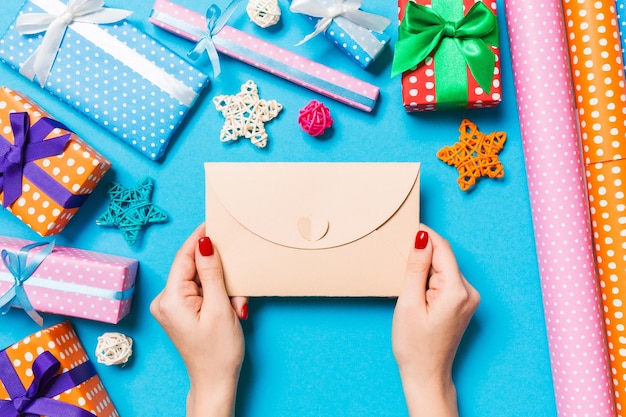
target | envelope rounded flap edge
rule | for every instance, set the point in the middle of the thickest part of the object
(316, 205)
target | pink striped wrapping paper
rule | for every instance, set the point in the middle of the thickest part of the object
(295, 68)
(574, 323)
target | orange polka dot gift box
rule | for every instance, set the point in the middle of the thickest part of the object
(49, 374)
(448, 54)
(46, 171)
(44, 277)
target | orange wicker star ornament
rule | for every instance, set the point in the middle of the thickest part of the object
(475, 155)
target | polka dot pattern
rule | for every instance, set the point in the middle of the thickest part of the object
(62, 342)
(78, 170)
(270, 58)
(108, 90)
(56, 285)
(600, 91)
(419, 89)
(556, 185)
(362, 45)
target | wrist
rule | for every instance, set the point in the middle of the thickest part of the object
(207, 400)
(432, 395)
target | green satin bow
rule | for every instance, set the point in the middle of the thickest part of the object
(422, 30)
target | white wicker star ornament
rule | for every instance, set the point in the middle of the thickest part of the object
(246, 115)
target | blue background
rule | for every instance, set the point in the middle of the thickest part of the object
(316, 356)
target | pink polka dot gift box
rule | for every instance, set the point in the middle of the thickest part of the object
(46, 171)
(448, 54)
(43, 277)
(49, 374)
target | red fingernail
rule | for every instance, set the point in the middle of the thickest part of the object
(206, 246)
(421, 239)
(244, 312)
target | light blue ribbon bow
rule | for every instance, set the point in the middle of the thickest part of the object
(216, 20)
(22, 268)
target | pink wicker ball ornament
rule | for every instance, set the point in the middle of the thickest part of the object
(315, 118)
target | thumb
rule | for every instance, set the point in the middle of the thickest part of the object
(417, 270)
(210, 272)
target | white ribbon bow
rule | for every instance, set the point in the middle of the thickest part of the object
(54, 25)
(349, 9)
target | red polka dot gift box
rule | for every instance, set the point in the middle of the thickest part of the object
(448, 54)
(49, 374)
(46, 171)
(44, 277)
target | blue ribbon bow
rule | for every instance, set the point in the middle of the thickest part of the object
(22, 268)
(38, 400)
(29, 144)
(216, 20)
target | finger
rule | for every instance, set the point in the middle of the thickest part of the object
(417, 270)
(210, 272)
(240, 305)
(183, 267)
(443, 260)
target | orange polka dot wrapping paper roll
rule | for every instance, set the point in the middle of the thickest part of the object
(556, 184)
(54, 357)
(51, 186)
(600, 93)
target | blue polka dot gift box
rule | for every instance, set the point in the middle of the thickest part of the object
(91, 58)
(359, 34)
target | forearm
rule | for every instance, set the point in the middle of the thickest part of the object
(430, 398)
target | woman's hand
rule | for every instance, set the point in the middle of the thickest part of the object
(431, 315)
(203, 323)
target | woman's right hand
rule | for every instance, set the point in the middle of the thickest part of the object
(430, 318)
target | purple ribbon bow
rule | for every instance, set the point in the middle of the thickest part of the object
(28, 145)
(37, 399)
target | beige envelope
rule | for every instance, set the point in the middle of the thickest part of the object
(313, 229)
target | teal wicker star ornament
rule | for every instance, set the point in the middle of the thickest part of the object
(131, 209)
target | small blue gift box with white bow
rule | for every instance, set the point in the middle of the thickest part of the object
(359, 34)
(89, 57)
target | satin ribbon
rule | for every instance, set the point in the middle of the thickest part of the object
(54, 25)
(38, 400)
(22, 268)
(28, 145)
(348, 9)
(216, 20)
(49, 284)
(423, 30)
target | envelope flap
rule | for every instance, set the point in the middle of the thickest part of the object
(312, 205)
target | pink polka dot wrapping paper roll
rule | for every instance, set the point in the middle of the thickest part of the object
(74, 282)
(600, 91)
(576, 337)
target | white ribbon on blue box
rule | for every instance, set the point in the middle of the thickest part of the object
(116, 75)
(357, 33)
